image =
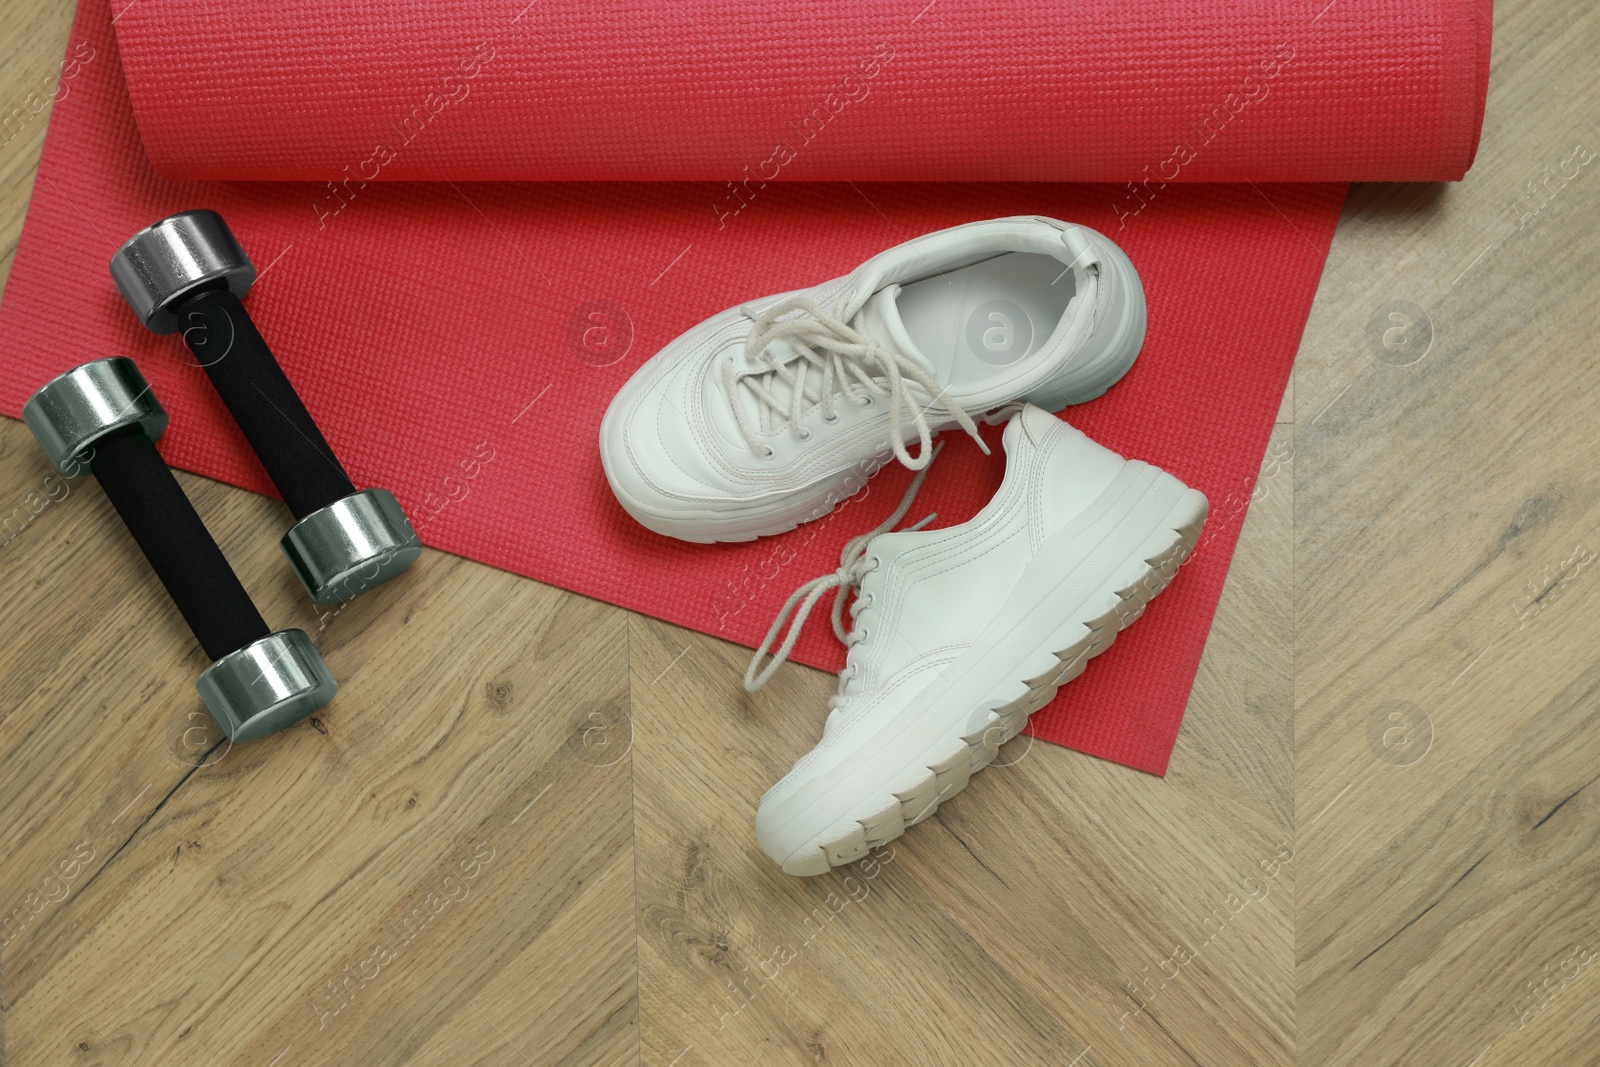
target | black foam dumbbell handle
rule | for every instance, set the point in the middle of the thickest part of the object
(141, 487)
(219, 332)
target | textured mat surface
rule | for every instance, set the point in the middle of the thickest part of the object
(729, 90)
(458, 343)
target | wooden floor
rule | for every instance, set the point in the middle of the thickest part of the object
(526, 837)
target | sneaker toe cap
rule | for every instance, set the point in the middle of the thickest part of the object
(653, 442)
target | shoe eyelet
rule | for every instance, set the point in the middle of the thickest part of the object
(875, 561)
(868, 401)
(768, 452)
(804, 434)
(832, 417)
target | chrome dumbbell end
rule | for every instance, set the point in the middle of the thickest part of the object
(159, 267)
(72, 411)
(351, 545)
(266, 685)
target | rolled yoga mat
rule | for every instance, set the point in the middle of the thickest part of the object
(458, 342)
(751, 91)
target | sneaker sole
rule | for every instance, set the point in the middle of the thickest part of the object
(692, 526)
(943, 769)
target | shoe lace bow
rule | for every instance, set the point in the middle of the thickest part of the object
(831, 359)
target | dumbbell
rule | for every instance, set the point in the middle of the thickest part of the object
(102, 417)
(187, 273)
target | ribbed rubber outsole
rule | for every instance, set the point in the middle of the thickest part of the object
(944, 770)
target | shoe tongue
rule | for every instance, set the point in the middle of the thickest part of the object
(880, 320)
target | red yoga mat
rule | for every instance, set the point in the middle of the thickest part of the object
(814, 90)
(458, 343)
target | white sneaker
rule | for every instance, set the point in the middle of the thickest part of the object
(768, 415)
(958, 635)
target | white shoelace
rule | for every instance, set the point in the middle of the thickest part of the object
(850, 364)
(854, 564)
